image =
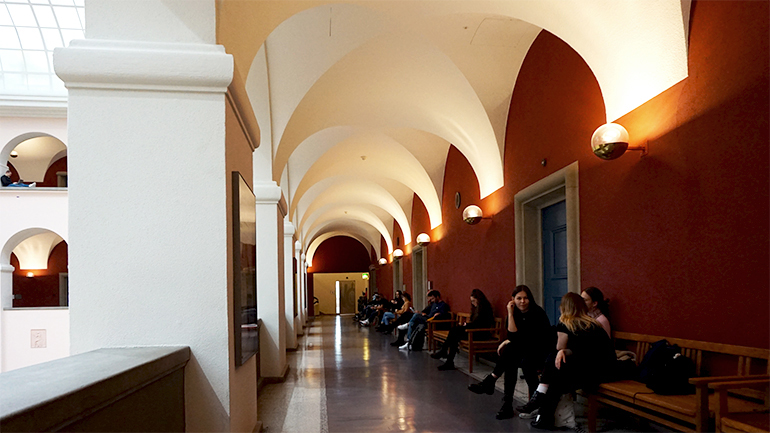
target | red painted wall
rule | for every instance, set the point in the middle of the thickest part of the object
(337, 254)
(42, 290)
(50, 179)
(678, 239)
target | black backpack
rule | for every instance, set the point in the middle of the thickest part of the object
(417, 341)
(666, 371)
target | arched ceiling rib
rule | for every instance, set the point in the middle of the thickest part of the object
(354, 215)
(397, 82)
(352, 193)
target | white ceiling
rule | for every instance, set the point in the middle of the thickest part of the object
(359, 102)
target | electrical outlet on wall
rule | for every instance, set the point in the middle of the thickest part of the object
(37, 338)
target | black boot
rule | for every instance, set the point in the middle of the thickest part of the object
(486, 386)
(506, 411)
(537, 400)
(439, 355)
(401, 339)
(545, 416)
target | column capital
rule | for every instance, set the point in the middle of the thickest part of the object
(7, 268)
(133, 65)
(288, 229)
(267, 192)
(298, 246)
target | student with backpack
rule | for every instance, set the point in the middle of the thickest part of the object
(436, 310)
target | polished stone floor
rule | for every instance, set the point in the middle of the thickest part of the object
(345, 378)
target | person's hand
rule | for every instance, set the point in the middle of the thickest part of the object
(500, 347)
(561, 357)
(511, 305)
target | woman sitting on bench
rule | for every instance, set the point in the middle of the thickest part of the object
(530, 340)
(584, 358)
(402, 315)
(482, 317)
(597, 307)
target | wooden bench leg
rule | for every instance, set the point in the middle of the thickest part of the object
(593, 406)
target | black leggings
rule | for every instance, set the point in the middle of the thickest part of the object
(513, 357)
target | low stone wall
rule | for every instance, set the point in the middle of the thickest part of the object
(116, 389)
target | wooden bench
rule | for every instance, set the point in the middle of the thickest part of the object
(438, 330)
(683, 412)
(730, 419)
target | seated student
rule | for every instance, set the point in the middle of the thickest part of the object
(436, 310)
(403, 315)
(482, 316)
(370, 306)
(5, 180)
(598, 307)
(584, 358)
(376, 308)
(399, 309)
(529, 341)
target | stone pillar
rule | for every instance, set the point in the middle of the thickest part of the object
(288, 277)
(6, 300)
(147, 203)
(301, 318)
(270, 286)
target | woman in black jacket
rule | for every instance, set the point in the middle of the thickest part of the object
(530, 340)
(481, 317)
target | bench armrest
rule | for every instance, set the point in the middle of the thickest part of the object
(736, 384)
(703, 382)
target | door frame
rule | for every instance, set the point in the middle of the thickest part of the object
(561, 185)
(419, 279)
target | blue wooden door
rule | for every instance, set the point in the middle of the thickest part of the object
(554, 224)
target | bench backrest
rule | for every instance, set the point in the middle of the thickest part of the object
(744, 360)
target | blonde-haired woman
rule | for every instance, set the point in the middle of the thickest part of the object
(583, 359)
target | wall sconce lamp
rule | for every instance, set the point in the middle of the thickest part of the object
(14, 154)
(397, 253)
(473, 215)
(423, 239)
(383, 261)
(30, 274)
(610, 141)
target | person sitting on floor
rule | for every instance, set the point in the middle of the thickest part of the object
(482, 317)
(529, 341)
(5, 180)
(436, 310)
(584, 359)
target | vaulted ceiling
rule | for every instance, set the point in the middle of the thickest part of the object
(358, 103)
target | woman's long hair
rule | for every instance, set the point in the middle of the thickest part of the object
(407, 296)
(598, 297)
(525, 289)
(574, 313)
(484, 304)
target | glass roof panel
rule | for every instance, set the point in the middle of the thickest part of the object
(29, 32)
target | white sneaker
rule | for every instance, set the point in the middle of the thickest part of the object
(365, 322)
(404, 347)
(33, 184)
(403, 327)
(531, 415)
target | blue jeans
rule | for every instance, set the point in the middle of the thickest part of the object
(387, 317)
(413, 322)
(18, 185)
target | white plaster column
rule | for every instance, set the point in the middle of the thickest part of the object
(6, 301)
(305, 300)
(288, 282)
(270, 288)
(147, 190)
(299, 326)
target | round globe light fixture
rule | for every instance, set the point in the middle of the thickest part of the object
(397, 253)
(610, 141)
(383, 261)
(472, 214)
(423, 239)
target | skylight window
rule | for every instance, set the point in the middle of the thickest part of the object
(29, 32)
